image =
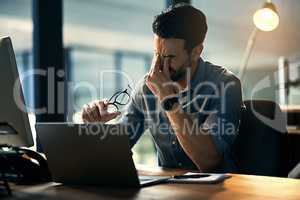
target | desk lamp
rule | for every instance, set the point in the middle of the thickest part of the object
(265, 19)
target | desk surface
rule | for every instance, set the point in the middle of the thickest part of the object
(293, 131)
(238, 187)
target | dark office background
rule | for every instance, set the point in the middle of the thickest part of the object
(104, 35)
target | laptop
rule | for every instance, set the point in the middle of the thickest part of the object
(91, 154)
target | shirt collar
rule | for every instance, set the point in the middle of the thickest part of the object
(199, 74)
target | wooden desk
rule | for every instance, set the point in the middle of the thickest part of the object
(238, 187)
(293, 131)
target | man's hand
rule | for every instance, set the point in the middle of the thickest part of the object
(159, 81)
(96, 111)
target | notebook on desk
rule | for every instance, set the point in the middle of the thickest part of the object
(199, 178)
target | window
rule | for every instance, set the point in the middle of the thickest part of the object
(110, 46)
(16, 22)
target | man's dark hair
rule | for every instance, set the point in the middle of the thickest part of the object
(181, 22)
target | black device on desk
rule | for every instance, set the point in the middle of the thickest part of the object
(23, 166)
(16, 163)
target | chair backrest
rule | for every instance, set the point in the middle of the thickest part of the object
(261, 145)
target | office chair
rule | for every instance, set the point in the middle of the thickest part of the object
(261, 148)
(295, 172)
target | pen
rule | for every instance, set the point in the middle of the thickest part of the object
(191, 176)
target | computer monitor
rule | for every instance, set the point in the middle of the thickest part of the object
(14, 123)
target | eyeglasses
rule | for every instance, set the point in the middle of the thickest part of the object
(118, 99)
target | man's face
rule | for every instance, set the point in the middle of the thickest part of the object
(172, 53)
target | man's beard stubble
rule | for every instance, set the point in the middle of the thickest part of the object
(181, 73)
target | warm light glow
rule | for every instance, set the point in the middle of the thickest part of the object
(266, 19)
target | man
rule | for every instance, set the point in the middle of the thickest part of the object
(191, 107)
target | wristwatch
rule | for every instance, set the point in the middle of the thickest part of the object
(168, 103)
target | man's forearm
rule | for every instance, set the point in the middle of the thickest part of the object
(199, 146)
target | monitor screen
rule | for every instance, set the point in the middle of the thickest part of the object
(14, 123)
